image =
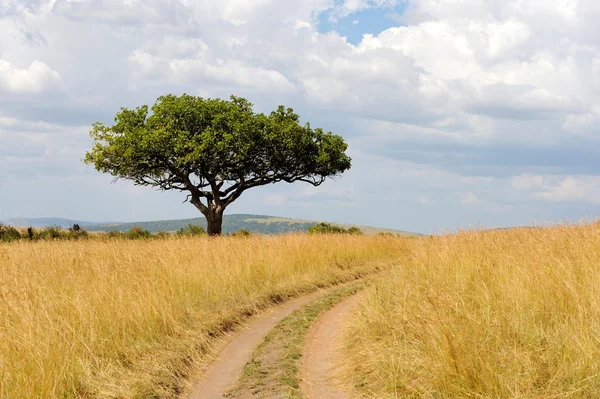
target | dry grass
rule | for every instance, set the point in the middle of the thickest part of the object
(131, 318)
(484, 314)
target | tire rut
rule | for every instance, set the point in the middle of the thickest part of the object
(322, 353)
(224, 371)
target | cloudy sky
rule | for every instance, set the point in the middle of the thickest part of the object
(457, 112)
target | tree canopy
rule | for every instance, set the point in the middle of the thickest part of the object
(214, 150)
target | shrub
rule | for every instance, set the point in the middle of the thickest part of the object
(192, 230)
(162, 234)
(242, 233)
(114, 234)
(137, 233)
(9, 233)
(354, 230)
(52, 233)
(76, 232)
(327, 228)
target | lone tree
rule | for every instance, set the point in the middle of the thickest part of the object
(214, 150)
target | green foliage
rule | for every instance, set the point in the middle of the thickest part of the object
(354, 230)
(216, 140)
(76, 232)
(214, 149)
(327, 228)
(137, 233)
(114, 234)
(191, 230)
(52, 233)
(242, 233)
(9, 233)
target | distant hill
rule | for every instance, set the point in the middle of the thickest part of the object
(45, 222)
(232, 223)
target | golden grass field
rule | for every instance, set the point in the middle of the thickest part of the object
(115, 318)
(483, 314)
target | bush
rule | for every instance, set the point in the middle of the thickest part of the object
(114, 234)
(327, 228)
(52, 233)
(162, 234)
(242, 233)
(137, 233)
(354, 230)
(76, 232)
(191, 230)
(9, 233)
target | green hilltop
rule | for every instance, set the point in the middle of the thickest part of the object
(231, 223)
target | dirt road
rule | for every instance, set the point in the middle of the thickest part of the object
(227, 367)
(321, 353)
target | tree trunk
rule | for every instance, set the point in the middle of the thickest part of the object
(214, 221)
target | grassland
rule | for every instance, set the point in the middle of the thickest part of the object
(133, 319)
(484, 314)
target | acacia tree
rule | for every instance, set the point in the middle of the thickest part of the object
(214, 150)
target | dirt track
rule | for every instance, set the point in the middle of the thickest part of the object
(227, 367)
(321, 353)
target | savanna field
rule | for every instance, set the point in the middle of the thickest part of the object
(490, 314)
(118, 318)
(478, 314)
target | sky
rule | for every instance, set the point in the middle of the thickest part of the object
(458, 113)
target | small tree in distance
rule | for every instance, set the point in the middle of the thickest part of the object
(214, 150)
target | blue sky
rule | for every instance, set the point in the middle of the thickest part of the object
(457, 112)
(372, 20)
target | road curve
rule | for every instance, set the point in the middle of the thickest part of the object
(224, 371)
(321, 353)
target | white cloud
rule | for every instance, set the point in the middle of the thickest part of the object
(561, 188)
(146, 67)
(35, 79)
(239, 11)
(572, 189)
